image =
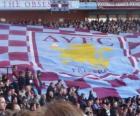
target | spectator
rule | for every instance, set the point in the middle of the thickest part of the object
(106, 111)
(16, 107)
(50, 96)
(2, 106)
(29, 78)
(43, 101)
(21, 80)
(61, 108)
(27, 99)
(33, 107)
(108, 26)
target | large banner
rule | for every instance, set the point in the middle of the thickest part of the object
(107, 64)
(82, 54)
(104, 63)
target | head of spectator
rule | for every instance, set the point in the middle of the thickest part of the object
(14, 68)
(61, 108)
(2, 104)
(4, 78)
(43, 100)
(14, 100)
(28, 88)
(90, 102)
(33, 107)
(138, 112)
(1, 87)
(115, 104)
(29, 74)
(22, 73)
(50, 96)
(16, 107)
(39, 73)
(23, 113)
(138, 101)
(88, 111)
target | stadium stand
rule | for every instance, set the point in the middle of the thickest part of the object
(21, 94)
(107, 26)
(23, 91)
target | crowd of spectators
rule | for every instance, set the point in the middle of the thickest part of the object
(108, 26)
(20, 91)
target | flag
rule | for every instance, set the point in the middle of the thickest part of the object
(98, 62)
(14, 48)
(104, 63)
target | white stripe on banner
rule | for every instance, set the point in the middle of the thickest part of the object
(4, 56)
(125, 46)
(67, 29)
(135, 63)
(97, 83)
(37, 27)
(51, 30)
(17, 37)
(18, 62)
(32, 56)
(17, 49)
(18, 28)
(4, 43)
(4, 31)
(126, 91)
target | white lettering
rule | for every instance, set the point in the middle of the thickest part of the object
(27, 4)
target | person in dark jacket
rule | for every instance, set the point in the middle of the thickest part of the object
(21, 80)
(107, 111)
(29, 78)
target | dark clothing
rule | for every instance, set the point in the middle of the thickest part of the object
(21, 82)
(104, 112)
(15, 86)
(50, 88)
(43, 102)
(72, 99)
(49, 99)
(2, 114)
(8, 98)
(29, 81)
